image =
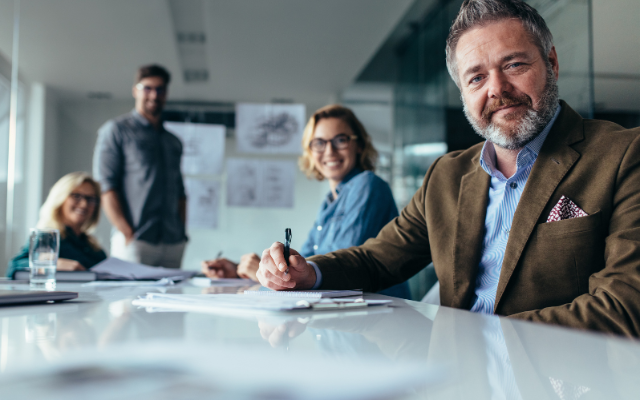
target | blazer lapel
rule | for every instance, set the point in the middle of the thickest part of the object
(554, 161)
(472, 208)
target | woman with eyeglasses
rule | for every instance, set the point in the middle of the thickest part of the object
(336, 147)
(73, 207)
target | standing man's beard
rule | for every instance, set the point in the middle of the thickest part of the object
(154, 111)
(531, 124)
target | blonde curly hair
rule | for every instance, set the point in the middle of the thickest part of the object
(51, 210)
(368, 154)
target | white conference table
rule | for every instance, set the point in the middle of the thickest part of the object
(465, 355)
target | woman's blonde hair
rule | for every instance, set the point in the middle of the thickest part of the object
(368, 154)
(51, 210)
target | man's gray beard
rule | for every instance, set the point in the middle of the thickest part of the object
(531, 125)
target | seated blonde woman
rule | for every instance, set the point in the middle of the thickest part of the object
(73, 207)
(335, 147)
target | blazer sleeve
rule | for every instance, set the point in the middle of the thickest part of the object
(400, 250)
(613, 301)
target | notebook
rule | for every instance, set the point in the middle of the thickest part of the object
(61, 276)
(308, 294)
(13, 297)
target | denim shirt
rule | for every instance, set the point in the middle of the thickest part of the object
(364, 205)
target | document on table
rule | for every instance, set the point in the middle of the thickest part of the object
(227, 282)
(160, 282)
(116, 269)
(233, 303)
(305, 294)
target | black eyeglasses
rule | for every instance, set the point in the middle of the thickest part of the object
(339, 142)
(160, 90)
(91, 200)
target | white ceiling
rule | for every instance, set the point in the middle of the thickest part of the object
(257, 50)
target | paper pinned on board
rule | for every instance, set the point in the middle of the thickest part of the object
(269, 128)
(202, 147)
(260, 183)
(203, 208)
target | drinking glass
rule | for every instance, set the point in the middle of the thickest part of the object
(44, 245)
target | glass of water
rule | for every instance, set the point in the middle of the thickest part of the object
(44, 245)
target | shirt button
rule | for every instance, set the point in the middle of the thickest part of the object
(319, 228)
(315, 247)
(513, 185)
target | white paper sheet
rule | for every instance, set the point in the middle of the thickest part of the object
(114, 268)
(269, 128)
(260, 183)
(231, 304)
(202, 147)
(160, 282)
(224, 282)
(203, 207)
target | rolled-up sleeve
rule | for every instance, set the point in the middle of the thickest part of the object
(108, 160)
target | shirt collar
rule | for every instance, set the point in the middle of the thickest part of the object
(526, 156)
(140, 118)
(355, 171)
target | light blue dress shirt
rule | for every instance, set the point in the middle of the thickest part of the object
(363, 207)
(504, 196)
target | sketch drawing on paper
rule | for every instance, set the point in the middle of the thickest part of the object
(203, 203)
(269, 128)
(260, 183)
(202, 147)
(276, 130)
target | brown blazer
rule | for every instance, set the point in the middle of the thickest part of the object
(582, 272)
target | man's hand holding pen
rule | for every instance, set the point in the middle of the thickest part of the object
(273, 265)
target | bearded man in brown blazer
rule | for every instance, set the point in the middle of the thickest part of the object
(541, 222)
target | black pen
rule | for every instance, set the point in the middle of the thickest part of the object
(287, 247)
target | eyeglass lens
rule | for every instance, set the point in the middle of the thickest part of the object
(160, 90)
(339, 142)
(77, 197)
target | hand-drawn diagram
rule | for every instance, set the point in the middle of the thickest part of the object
(203, 206)
(269, 128)
(260, 183)
(202, 147)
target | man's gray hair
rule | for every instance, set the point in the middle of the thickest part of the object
(474, 13)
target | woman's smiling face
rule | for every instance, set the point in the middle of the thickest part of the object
(334, 164)
(76, 209)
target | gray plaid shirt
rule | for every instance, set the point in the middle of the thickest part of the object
(142, 165)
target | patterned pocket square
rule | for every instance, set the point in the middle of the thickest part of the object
(565, 209)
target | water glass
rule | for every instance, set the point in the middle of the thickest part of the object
(44, 246)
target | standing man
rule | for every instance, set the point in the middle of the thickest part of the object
(540, 222)
(137, 163)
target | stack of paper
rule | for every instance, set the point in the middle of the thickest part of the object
(234, 303)
(306, 294)
(114, 268)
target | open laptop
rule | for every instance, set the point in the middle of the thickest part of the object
(14, 297)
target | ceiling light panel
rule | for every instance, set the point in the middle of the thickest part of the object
(188, 26)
